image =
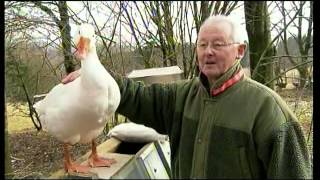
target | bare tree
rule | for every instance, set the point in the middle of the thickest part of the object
(64, 27)
(171, 44)
(305, 42)
(161, 15)
(208, 8)
(258, 28)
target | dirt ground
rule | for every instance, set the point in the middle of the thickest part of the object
(32, 153)
(37, 154)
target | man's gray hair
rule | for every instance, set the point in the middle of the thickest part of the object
(237, 34)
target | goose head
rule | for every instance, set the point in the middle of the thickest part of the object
(85, 41)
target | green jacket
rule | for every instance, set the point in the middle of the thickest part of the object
(247, 131)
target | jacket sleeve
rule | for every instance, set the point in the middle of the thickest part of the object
(150, 105)
(289, 157)
(281, 144)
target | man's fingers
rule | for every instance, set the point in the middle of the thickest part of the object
(66, 79)
(70, 77)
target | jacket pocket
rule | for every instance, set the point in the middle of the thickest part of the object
(245, 169)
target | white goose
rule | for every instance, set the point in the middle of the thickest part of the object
(76, 112)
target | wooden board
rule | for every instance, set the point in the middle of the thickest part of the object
(105, 149)
(107, 172)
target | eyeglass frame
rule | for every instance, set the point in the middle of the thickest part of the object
(218, 46)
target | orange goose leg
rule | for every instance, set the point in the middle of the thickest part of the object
(96, 161)
(69, 166)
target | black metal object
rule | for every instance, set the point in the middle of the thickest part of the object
(163, 158)
(129, 147)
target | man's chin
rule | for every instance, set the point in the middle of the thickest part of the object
(210, 70)
(211, 73)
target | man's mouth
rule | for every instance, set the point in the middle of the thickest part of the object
(210, 62)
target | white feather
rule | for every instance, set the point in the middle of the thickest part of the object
(77, 111)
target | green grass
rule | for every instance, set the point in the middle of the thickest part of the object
(18, 119)
(303, 111)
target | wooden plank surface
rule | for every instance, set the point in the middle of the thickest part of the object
(107, 172)
(105, 149)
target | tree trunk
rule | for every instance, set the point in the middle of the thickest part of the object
(172, 55)
(304, 42)
(303, 75)
(65, 29)
(258, 28)
(158, 21)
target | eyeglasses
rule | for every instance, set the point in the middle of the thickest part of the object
(214, 45)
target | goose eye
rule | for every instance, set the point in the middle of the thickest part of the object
(79, 31)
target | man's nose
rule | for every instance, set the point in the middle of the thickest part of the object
(209, 51)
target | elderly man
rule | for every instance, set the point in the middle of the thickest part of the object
(221, 124)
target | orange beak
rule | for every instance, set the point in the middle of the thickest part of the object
(82, 48)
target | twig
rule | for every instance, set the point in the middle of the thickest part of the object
(18, 159)
(31, 109)
(310, 129)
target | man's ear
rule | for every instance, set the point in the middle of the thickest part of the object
(241, 50)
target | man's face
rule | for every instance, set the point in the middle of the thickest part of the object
(215, 49)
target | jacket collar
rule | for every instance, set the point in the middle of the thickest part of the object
(232, 76)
